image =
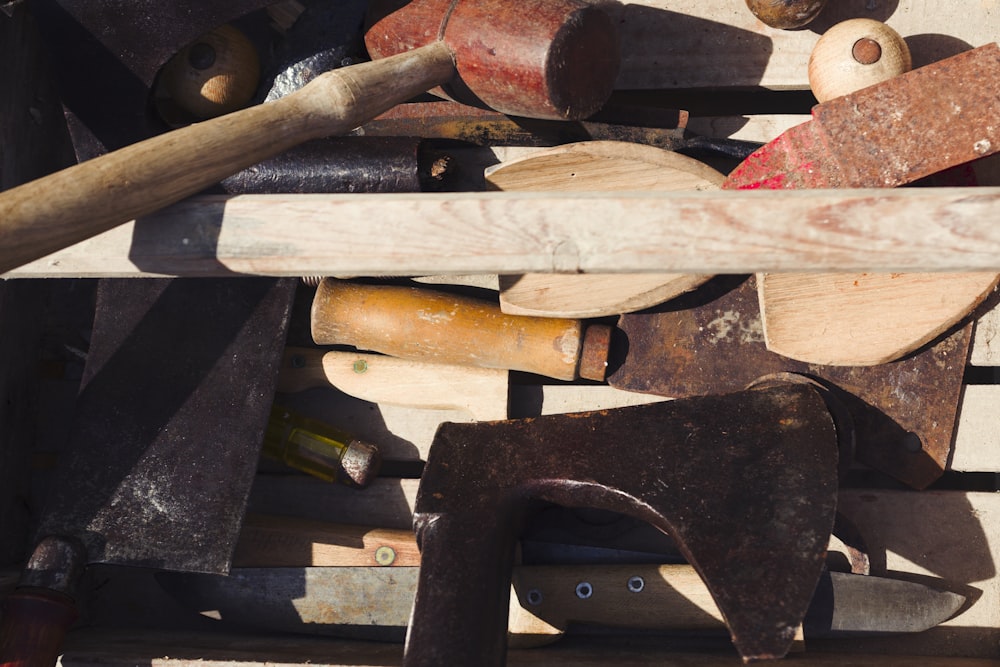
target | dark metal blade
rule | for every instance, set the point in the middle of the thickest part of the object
(170, 419)
(849, 604)
(712, 341)
(375, 603)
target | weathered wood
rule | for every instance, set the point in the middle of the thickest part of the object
(906, 229)
(718, 43)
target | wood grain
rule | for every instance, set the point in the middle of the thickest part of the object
(73, 204)
(592, 166)
(878, 230)
(863, 319)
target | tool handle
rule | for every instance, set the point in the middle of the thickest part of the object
(482, 392)
(285, 541)
(414, 323)
(53, 212)
(33, 624)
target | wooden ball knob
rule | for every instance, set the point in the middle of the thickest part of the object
(856, 54)
(786, 14)
(214, 75)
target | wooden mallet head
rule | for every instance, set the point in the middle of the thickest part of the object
(554, 59)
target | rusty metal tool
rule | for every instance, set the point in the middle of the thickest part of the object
(889, 134)
(745, 483)
(904, 413)
(557, 61)
(168, 427)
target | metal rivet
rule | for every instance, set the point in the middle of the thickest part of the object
(385, 555)
(584, 590)
(636, 584)
(912, 444)
(360, 366)
(534, 597)
(297, 361)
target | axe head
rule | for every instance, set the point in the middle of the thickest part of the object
(745, 483)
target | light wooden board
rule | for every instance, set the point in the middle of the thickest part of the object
(611, 166)
(906, 229)
(718, 43)
(126, 649)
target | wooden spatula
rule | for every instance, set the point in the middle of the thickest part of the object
(587, 167)
(885, 135)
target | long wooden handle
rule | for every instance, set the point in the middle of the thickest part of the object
(414, 323)
(284, 541)
(74, 204)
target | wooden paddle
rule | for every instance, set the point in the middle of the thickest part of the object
(872, 318)
(586, 167)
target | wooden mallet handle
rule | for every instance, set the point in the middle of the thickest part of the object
(50, 213)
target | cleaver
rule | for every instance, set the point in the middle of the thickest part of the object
(168, 427)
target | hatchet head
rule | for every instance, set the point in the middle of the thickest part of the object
(745, 483)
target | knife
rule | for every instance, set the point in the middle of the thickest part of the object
(374, 603)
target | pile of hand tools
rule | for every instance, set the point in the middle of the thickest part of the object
(780, 384)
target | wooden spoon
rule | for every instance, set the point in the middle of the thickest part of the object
(587, 167)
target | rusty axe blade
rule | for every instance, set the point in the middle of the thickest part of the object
(712, 342)
(745, 483)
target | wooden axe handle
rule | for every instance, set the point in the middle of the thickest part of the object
(56, 211)
(414, 323)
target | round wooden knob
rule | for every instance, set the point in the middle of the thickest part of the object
(786, 14)
(214, 75)
(856, 54)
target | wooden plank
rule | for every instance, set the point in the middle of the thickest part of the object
(908, 229)
(118, 649)
(719, 43)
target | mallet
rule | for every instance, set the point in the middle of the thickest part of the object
(554, 59)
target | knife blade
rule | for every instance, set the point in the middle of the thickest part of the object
(374, 603)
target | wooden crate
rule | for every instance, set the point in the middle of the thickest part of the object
(679, 50)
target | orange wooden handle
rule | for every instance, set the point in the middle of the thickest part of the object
(33, 625)
(414, 323)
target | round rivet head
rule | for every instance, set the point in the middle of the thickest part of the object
(534, 597)
(360, 366)
(584, 590)
(636, 584)
(385, 555)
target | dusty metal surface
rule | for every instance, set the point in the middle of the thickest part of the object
(890, 134)
(712, 341)
(745, 483)
(170, 419)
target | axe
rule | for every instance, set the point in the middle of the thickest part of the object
(745, 483)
